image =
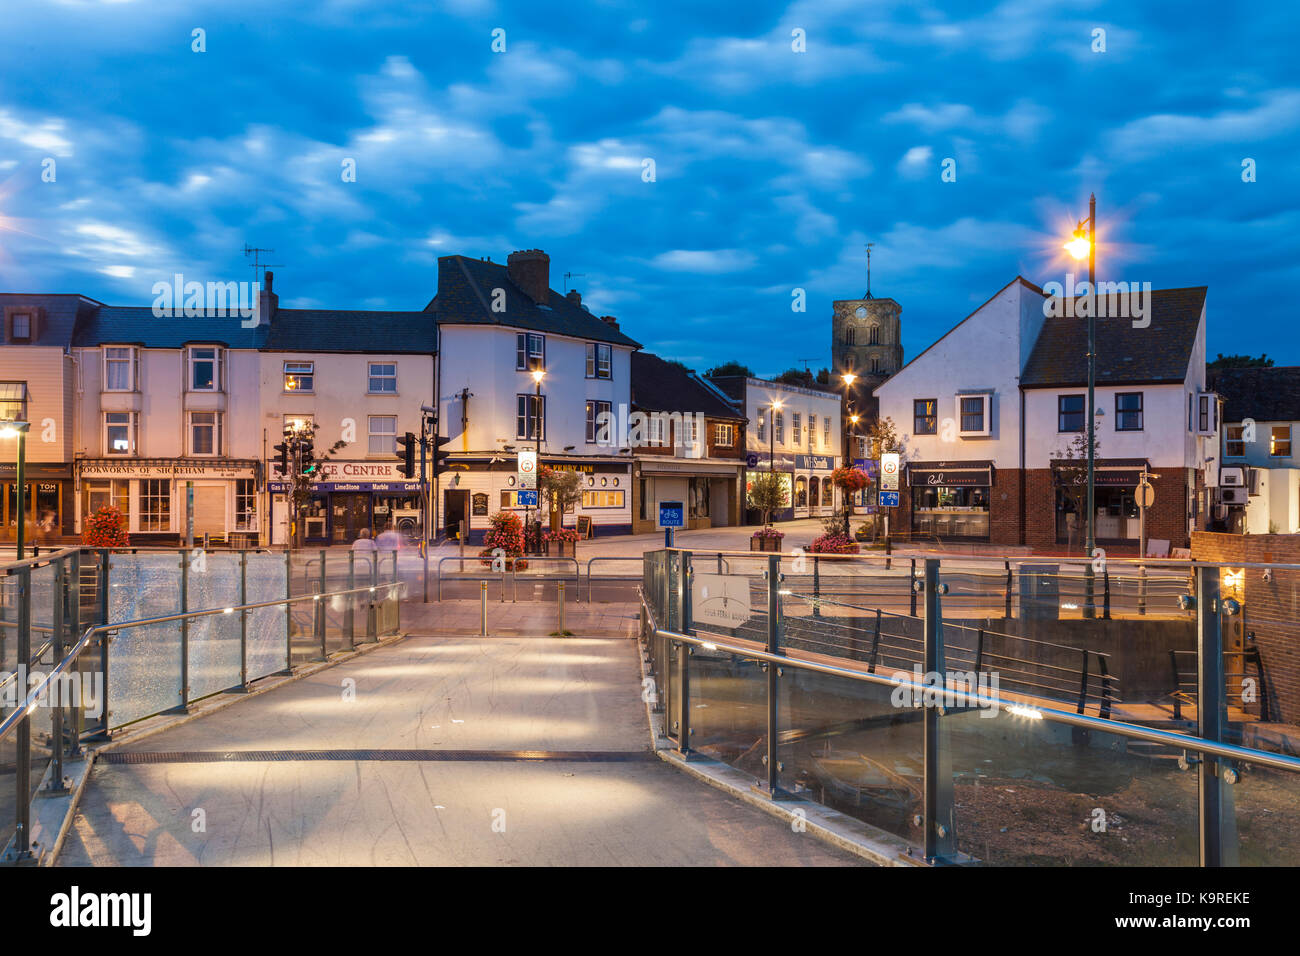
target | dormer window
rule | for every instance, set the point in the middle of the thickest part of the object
(20, 327)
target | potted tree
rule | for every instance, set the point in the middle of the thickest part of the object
(106, 528)
(561, 543)
(767, 493)
(506, 533)
(561, 490)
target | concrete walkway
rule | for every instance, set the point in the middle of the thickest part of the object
(464, 698)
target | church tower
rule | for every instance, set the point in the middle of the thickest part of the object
(866, 336)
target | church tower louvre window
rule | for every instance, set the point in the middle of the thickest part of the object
(866, 336)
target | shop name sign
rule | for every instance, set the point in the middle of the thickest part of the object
(115, 469)
(334, 470)
(813, 462)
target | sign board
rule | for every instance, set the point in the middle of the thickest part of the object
(526, 498)
(585, 527)
(751, 460)
(889, 471)
(1146, 495)
(721, 600)
(527, 468)
(672, 514)
(869, 466)
(889, 499)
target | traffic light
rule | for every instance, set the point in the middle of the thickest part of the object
(439, 456)
(306, 457)
(406, 455)
(282, 457)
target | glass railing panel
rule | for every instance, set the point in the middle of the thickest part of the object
(852, 746)
(1033, 792)
(213, 582)
(728, 709)
(1266, 812)
(144, 663)
(267, 580)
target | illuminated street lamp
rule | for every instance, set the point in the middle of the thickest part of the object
(11, 429)
(849, 378)
(1083, 244)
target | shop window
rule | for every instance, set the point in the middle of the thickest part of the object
(801, 493)
(383, 378)
(952, 511)
(1128, 412)
(299, 376)
(698, 497)
(245, 504)
(155, 504)
(383, 435)
(925, 417)
(814, 491)
(1070, 413)
(605, 498)
(643, 494)
(828, 492)
(106, 494)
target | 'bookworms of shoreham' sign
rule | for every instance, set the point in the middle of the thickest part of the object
(99, 468)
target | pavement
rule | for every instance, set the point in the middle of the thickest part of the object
(396, 758)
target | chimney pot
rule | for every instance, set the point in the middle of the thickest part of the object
(610, 321)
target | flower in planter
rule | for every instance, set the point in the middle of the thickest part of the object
(835, 543)
(569, 535)
(851, 480)
(768, 533)
(106, 528)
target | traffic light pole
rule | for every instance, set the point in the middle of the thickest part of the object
(424, 504)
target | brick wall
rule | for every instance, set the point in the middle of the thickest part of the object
(1166, 519)
(1006, 520)
(1269, 609)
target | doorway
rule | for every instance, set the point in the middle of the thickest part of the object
(455, 509)
(349, 514)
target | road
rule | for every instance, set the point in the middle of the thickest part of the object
(440, 711)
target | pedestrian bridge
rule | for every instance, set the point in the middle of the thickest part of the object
(256, 708)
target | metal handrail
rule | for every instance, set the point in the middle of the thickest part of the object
(1120, 728)
(33, 698)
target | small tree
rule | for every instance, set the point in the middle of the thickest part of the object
(300, 485)
(767, 493)
(561, 490)
(106, 528)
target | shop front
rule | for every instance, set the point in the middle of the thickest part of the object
(814, 493)
(477, 487)
(348, 497)
(47, 503)
(1115, 483)
(951, 499)
(708, 489)
(759, 463)
(162, 499)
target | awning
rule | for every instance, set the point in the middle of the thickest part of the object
(34, 470)
(950, 474)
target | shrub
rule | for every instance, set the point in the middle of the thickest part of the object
(505, 531)
(106, 528)
(563, 534)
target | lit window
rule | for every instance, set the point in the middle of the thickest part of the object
(724, 436)
(13, 401)
(598, 426)
(299, 376)
(925, 418)
(1279, 441)
(205, 374)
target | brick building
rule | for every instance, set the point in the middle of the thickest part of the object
(989, 416)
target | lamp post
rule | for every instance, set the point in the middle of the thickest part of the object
(849, 378)
(538, 375)
(19, 430)
(1085, 243)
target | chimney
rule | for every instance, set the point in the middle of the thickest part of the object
(530, 270)
(574, 296)
(267, 300)
(610, 321)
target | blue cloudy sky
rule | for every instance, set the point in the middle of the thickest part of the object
(773, 167)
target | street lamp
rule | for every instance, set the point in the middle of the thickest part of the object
(1084, 243)
(10, 429)
(538, 375)
(849, 378)
(774, 406)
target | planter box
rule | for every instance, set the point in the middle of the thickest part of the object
(764, 544)
(560, 549)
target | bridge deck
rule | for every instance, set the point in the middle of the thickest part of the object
(614, 804)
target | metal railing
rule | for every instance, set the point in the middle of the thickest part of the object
(910, 755)
(99, 673)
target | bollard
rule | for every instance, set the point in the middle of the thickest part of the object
(482, 622)
(560, 631)
(1142, 589)
(889, 549)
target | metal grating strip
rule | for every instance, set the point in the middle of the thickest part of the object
(271, 756)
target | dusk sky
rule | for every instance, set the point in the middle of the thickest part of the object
(772, 167)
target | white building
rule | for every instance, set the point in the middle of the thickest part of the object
(1260, 490)
(497, 325)
(986, 411)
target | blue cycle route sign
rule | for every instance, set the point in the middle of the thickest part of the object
(527, 497)
(889, 499)
(672, 514)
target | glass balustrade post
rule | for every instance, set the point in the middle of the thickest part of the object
(348, 615)
(56, 782)
(395, 594)
(771, 760)
(185, 632)
(682, 604)
(319, 615)
(288, 611)
(243, 621)
(1218, 818)
(22, 850)
(938, 816)
(77, 715)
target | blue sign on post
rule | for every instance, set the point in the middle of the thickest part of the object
(527, 497)
(672, 514)
(889, 499)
